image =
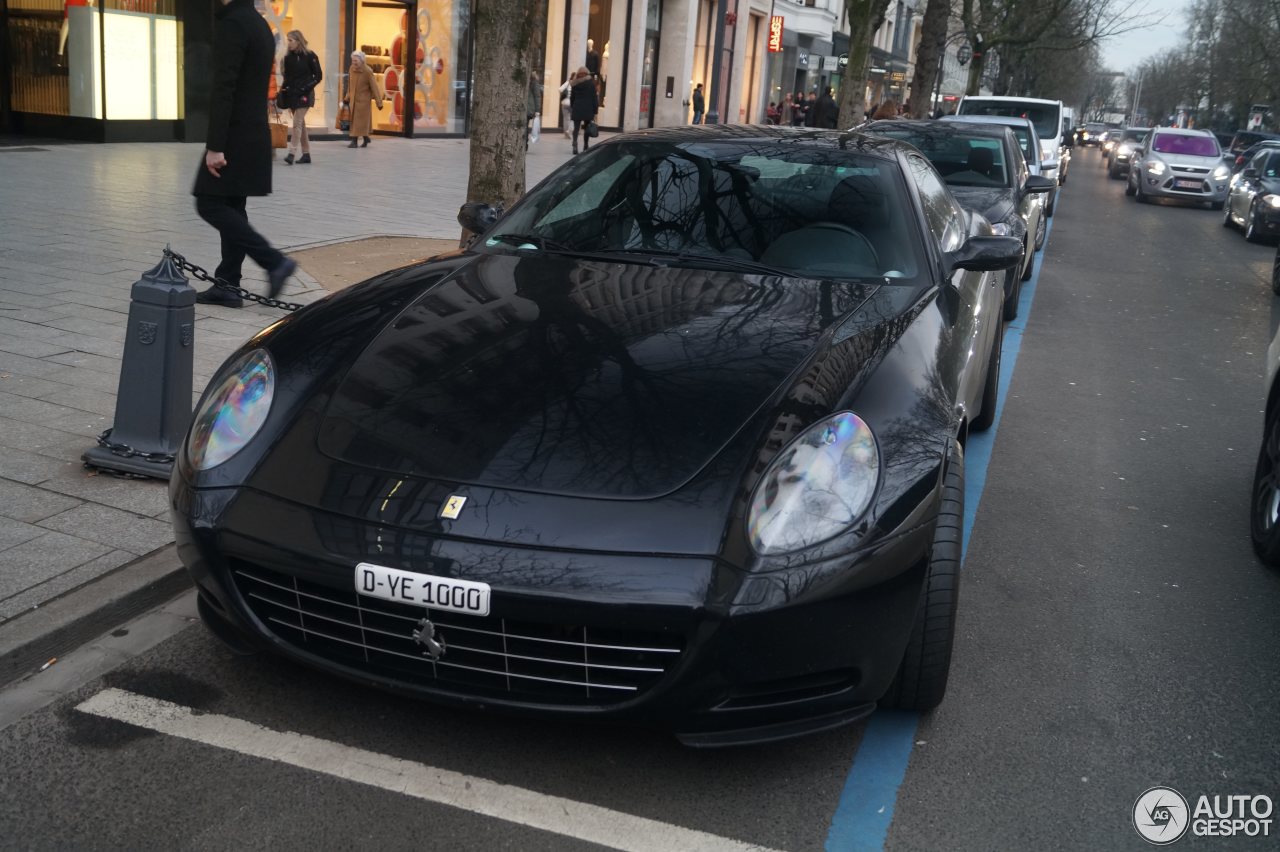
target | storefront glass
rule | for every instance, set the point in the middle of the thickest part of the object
(316, 21)
(59, 65)
(649, 73)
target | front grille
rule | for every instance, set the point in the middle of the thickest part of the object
(484, 656)
(1191, 170)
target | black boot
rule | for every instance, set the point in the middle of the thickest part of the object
(366, 142)
(288, 159)
(304, 159)
(279, 275)
(219, 296)
(353, 144)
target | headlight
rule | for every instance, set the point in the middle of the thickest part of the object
(1221, 172)
(1156, 167)
(817, 487)
(1273, 200)
(234, 412)
(1126, 150)
(1000, 229)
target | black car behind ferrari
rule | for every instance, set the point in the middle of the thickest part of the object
(1253, 198)
(984, 168)
(678, 441)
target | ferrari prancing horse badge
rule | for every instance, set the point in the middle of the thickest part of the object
(453, 507)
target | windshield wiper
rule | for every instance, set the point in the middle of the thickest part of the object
(520, 240)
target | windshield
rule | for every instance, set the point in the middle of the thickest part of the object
(1191, 146)
(764, 206)
(1045, 117)
(1133, 136)
(961, 159)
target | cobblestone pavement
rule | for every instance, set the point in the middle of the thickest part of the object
(78, 225)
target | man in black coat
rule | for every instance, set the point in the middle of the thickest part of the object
(237, 159)
(827, 111)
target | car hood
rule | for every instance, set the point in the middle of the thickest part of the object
(1186, 160)
(994, 204)
(578, 377)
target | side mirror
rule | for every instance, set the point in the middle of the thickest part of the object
(1249, 173)
(1039, 183)
(987, 254)
(1049, 163)
(478, 217)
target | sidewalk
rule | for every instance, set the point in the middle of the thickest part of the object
(78, 225)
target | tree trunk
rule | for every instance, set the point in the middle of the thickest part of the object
(976, 67)
(865, 17)
(929, 53)
(514, 32)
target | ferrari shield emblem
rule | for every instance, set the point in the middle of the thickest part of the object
(453, 507)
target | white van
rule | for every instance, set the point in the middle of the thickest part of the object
(1046, 115)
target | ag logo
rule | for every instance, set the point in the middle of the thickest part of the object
(1160, 815)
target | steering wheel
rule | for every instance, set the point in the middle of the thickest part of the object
(845, 229)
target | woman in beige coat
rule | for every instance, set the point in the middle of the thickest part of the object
(362, 91)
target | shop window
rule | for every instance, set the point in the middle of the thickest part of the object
(59, 66)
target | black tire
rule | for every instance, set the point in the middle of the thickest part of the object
(1142, 197)
(1113, 173)
(1217, 205)
(990, 387)
(1042, 229)
(921, 681)
(1129, 188)
(1251, 231)
(1010, 311)
(1275, 274)
(1264, 511)
(1227, 221)
(1052, 205)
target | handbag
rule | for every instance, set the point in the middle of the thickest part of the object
(535, 131)
(279, 130)
(344, 118)
(281, 101)
(592, 130)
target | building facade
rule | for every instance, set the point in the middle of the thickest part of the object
(110, 70)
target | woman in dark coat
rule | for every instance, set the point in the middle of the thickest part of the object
(237, 158)
(583, 105)
(300, 69)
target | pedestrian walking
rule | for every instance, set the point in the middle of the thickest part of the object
(786, 109)
(300, 69)
(237, 157)
(533, 107)
(583, 105)
(797, 110)
(811, 110)
(827, 111)
(699, 104)
(362, 91)
(566, 119)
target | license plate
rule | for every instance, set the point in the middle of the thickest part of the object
(410, 587)
(1187, 184)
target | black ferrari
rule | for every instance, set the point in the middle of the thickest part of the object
(677, 441)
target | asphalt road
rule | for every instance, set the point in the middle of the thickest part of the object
(1115, 634)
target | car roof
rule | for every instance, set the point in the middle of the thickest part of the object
(851, 140)
(1011, 100)
(1183, 131)
(938, 126)
(1010, 120)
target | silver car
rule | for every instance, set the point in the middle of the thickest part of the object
(1178, 163)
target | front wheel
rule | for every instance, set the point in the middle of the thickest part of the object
(1265, 515)
(1015, 294)
(1053, 203)
(1042, 229)
(1217, 205)
(921, 681)
(1227, 221)
(1251, 231)
(1129, 188)
(991, 387)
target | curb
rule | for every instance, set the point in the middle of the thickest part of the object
(65, 623)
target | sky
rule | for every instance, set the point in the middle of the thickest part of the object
(1168, 29)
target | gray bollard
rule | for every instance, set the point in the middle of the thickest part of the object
(153, 401)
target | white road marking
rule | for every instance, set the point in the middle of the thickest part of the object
(501, 801)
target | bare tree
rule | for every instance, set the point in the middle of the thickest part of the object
(512, 34)
(1011, 26)
(929, 53)
(865, 17)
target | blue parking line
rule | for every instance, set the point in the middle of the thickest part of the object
(865, 810)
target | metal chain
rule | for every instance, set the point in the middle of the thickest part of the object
(203, 275)
(128, 452)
